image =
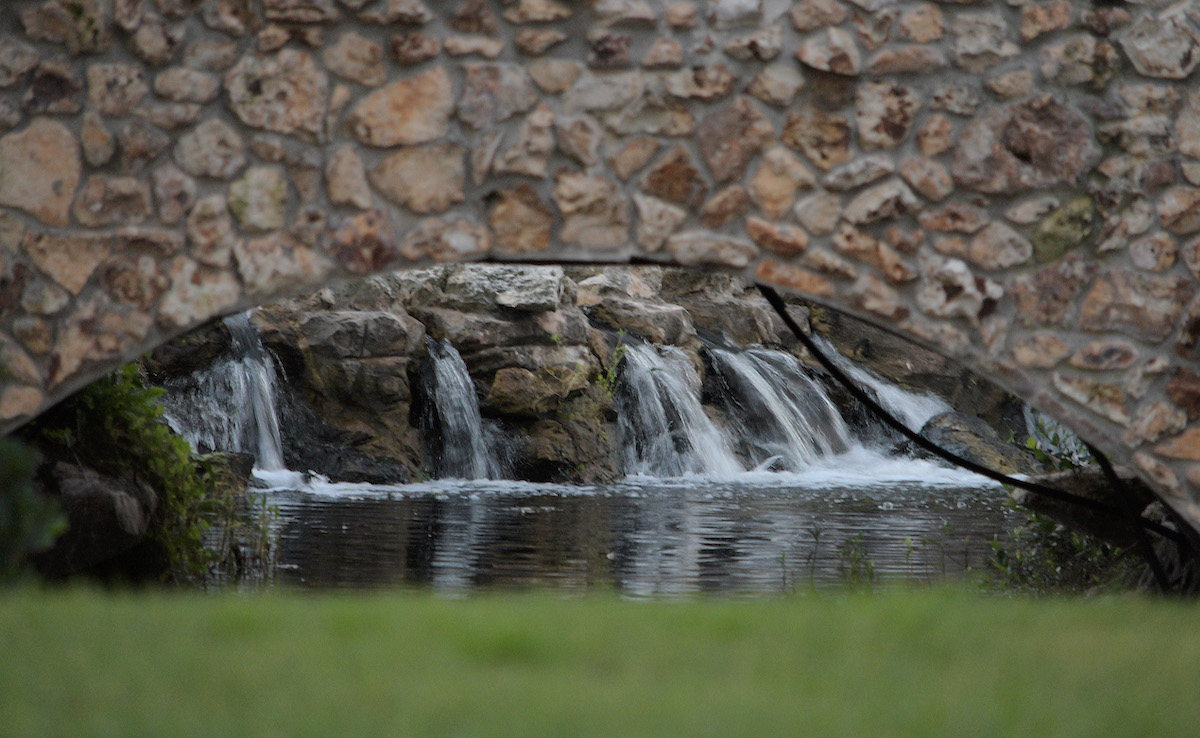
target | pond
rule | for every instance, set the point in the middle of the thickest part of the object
(849, 519)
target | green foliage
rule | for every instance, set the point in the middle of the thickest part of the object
(854, 563)
(115, 425)
(29, 522)
(1043, 557)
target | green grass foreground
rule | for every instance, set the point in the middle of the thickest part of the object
(909, 663)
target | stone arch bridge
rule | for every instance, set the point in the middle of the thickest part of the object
(1014, 184)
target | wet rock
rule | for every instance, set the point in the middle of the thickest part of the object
(425, 179)
(284, 92)
(822, 137)
(626, 299)
(521, 223)
(408, 111)
(258, 199)
(1143, 306)
(1038, 143)
(595, 213)
(973, 439)
(41, 170)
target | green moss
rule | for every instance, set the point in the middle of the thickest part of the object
(1067, 228)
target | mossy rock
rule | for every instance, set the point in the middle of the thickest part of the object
(1066, 228)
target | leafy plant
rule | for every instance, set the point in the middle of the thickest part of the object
(854, 563)
(29, 522)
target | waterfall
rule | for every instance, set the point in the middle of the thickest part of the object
(230, 406)
(914, 409)
(784, 418)
(464, 452)
(664, 430)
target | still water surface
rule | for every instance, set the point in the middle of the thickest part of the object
(848, 517)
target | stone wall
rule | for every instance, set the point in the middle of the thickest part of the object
(1016, 184)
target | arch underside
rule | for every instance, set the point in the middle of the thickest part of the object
(1013, 187)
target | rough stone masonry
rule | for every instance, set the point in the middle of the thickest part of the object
(1015, 184)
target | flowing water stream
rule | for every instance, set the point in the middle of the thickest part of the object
(767, 493)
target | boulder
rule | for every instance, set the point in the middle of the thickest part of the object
(626, 299)
(975, 440)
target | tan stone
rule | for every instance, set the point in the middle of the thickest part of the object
(871, 294)
(211, 149)
(1012, 84)
(1102, 398)
(957, 217)
(1104, 355)
(665, 53)
(284, 92)
(187, 85)
(347, 180)
(529, 155)
(356, 58)
(521, 223)
(174, 191)
(1047, 297)
(936, 135)
(492, 93)
(80, 25)
(19, 401)
(859, 171)
(536, 11)
(779, 177)
(981, 41)
(820, 213)
(554, 76)
(822, 137)
(810, 15)
(705, 83)
(1032, 210)
(927, 177)
(921, 23)
(635, 153)
(1041, 18)
(258, 199)
(883, 201)
(950, 289)
(134, 280)
(488, 48)
(276, 263)
(39, 170)
(999, 247)
(112, 201)
(761, 45)
(1179, 210)
(363, 243)
(907, 60)
(425, 179)
(408, 111)
(790, 277)
(1143, 306)
(704, 248)
(777, 84)
(1042, 350)
(827, 262)
(681, 15)
(831, 50)
(408, 12)
(98, 330)
(170, 115)
(70, 260)
(116, 89)
(446, 242)
(595, 214)
(210, 231)
(784, 240)
(1154, 253)
(414, 47)
(656, 221)
(1153, 421)
(537, 41)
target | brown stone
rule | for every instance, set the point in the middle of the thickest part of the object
(790, 277)
(1012, 84)
(883, 201)
(284, 92)
(536, 11)
(258, 199)
(779, 177)
(493, 93)
(906, 60)
(98, 330)
(1184, 390)
(859, 171)
(1038, 143)
(521, 222)
(819, 213)
(446, 242)
(1046, 296)
(407, 12)
(595, 214)
(870, 293)
(413, 48)
(1179, 210)
(112, 201)
(196, 294)
(1037, 19)
(56, 88)
(347, 180)
(665, 53)
(1042, 350)
(784, 240)
(949, 289)
(705, 83)
(703, 248)
(810, 15)
(831, 50)
(608, 49)
(80, 25)
(139, 144)
(134, 280)
(174, 192)
(822, 137)
(474, 16)
(425, 179)
(39, 170)
(851, 241)
(1184, 446)
(363, 243)
(922, 23)
(70, 260)
(884, 114)
(725, 205)
(1143, 306)
(1105, 355)
(927, 177)
(936, 135)
(1153, 421)
(676, 179)
(554, 76)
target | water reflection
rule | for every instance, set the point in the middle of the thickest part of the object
(640, 538)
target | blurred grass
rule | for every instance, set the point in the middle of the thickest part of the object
(908, 663)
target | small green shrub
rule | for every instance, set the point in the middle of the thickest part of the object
(29, 522)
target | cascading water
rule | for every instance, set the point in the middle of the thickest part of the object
(785, 419)
(230, 406)
(464, 452)
(664, 430)
(914, 409)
